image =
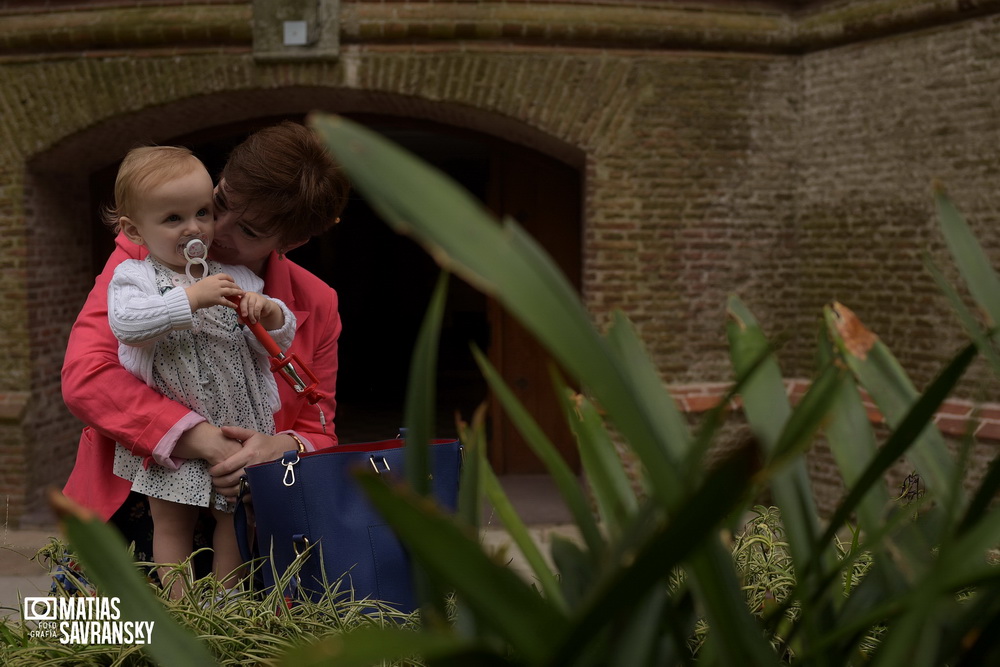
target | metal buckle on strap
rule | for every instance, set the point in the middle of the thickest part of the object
(289, 478)
(299, 541)
(372, 459)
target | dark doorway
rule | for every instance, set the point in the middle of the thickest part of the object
(385, 280)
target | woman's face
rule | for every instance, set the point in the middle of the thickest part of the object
(237, 240)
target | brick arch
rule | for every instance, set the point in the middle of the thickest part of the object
(107, 139)
(59, 209)
(571, 107)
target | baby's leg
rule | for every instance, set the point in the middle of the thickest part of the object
(173, 532)
(228, 564)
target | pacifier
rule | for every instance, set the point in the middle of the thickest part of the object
(195, 252)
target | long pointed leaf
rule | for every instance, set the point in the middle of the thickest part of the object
(656, 401)
(687, 536)
(965, 316)
(473, 438)
(972, 262)
(420, 392)
(852, 442)
(764, 398)
(609, 484)
(766, 405)
(985, 494)
(879, 373)
(522, 538)
(810, 414)
(910, 428)
(907, 550)
(105, 558)
(565, 480)
(418, 415)
(502, 261)
(490, 590)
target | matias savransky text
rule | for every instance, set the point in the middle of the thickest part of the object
(84, 620)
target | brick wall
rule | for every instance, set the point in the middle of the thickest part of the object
(880, 121)
(786, 159)
(58, 258)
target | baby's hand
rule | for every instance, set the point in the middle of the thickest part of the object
(212, 291)
(257, 307)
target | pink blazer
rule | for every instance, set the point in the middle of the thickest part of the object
(120, 407)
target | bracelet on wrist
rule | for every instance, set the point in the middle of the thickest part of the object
(298, 441)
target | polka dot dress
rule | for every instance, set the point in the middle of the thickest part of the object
(211, 370)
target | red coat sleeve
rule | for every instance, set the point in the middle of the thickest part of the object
(98, 390)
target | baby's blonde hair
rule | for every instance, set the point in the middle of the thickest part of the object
(142, 169)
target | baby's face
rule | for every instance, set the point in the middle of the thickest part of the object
(173, 213)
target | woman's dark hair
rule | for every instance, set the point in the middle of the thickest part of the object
(289, 180)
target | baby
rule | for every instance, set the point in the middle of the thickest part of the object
(181, 334)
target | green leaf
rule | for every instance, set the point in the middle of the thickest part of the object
(602, 466)
(689, 535)
(502, 261)
(106, 561)
(765, 403)
(891, 390)
(968, 320)
(420, 391)
(576, 569)
(983, 498)
(902, 438)
(852, 442)
(640, 641)
(492, 592)
(765, 400)
(419, 417)
(655, 400)
(809, 415)
(972, 262)
(565, 479)
(714, 419)
(522, 538)
(473, 437)
(783, 433)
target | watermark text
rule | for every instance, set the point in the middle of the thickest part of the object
(84, 620)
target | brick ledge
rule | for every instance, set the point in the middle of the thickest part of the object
(956, 417)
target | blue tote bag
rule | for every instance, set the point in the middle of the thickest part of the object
(312, 499)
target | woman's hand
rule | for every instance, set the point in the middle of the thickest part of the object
(204, 441)
(257, 448)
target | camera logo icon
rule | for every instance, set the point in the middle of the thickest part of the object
(40, 609)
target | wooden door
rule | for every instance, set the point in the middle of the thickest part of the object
(543, 195)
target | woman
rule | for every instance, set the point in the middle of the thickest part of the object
(278, 189)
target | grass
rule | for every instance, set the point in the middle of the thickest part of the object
(241, 629)
(261, 629)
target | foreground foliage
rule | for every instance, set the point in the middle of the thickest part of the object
(248, 629)
(609, 599)
(233, 630)
(652, 579)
